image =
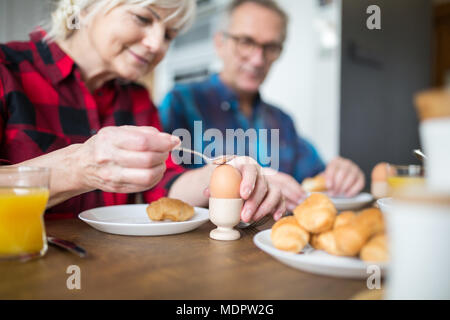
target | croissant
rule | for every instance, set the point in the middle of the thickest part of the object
(351, 238)
(316, 214)
(376, 249)
(315, 184)
(343, 218)
(172, 209)
(288, 235)
(326, 241)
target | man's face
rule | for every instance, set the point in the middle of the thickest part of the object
(245, 70)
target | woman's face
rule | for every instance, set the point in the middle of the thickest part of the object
(130, 39)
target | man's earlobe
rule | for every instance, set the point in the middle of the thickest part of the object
(218, 42)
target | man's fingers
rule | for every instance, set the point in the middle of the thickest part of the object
(357, 187)
(330, 172)
(341, 173)
(350, 180)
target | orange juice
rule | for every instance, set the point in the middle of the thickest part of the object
(21, 221)
(400, 182)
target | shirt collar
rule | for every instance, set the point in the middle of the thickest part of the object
(50, 59)
(228, 94)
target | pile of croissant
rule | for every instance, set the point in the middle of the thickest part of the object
(316, 222)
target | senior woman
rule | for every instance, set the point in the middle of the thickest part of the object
(68, 102)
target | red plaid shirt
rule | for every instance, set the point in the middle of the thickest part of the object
(45, 106)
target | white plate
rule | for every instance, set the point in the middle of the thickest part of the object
(317, 261)
(132, 220)
(357, 202)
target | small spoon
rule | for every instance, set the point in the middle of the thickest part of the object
(217, 161)
(419, 155)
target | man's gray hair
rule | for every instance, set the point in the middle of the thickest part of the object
(269, 4)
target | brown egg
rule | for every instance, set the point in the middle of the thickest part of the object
(379, 172)
(225, 183)
(379, 187)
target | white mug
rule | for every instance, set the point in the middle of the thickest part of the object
(419, 240)
(435, 137)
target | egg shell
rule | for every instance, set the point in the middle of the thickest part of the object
(380, 172)
(225, 183)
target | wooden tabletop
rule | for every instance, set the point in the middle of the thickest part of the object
(183, 266)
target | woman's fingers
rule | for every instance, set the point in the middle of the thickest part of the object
(114, 178)
(291, 205)
(138, 139)
(139, 160)
(126, 159)
(269, 204)
(290, 188)
(249, 176)
(280, 210)
(252, 204)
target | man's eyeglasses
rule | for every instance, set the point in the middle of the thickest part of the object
(246, 46)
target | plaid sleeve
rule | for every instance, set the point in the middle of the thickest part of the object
(173, 171)
(2, 106)
(3, 75)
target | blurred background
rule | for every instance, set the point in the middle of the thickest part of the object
(349, 89)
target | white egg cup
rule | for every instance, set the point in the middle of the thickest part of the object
(225, 214)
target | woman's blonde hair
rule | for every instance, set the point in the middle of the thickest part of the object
(65, 19)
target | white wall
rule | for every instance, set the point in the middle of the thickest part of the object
(19, 17)
(305, 82)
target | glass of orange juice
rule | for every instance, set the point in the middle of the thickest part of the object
(400, 178)
(24, 193)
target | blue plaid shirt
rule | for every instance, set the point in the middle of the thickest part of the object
(217, 107)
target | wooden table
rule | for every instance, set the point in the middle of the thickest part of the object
(183, 266)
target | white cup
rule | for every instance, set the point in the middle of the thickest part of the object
(225, 214)
(419, 239)
(435, 137)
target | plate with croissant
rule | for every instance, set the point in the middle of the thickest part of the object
(318, 184)
(162, 217)
(320, 240)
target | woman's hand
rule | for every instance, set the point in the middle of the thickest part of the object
(261, 198)
(124, 159)
(292, 190)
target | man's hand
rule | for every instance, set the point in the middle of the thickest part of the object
(343, 177)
